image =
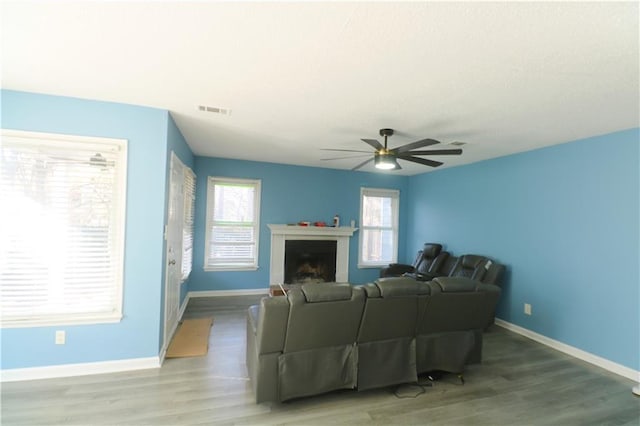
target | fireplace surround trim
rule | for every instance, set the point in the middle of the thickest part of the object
(281, 233)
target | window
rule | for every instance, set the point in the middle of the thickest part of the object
(61, 229)
(233, 216)
(188, 218)
(378, 227)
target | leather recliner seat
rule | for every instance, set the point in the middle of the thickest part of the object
(428, 259)
(319, 354)
(386, 340)
(323, 337)
(449, 329)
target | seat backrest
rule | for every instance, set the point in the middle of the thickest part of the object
(418, 260)
(430, 253)
(391, 309)
(469, 266)
(323, 315)
(494, 274)
(457, 304)
(445, 265)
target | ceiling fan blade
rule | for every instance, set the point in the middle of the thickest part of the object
(436, 152)
(363, 164)
(374, 143)
(343, 158)
(414, 145)
(424, 161)
(343, 150)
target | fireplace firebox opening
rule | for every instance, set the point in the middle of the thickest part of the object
(309, 261)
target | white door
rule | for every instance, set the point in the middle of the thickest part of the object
(173, 276)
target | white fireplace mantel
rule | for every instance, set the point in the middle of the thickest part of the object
(282, 233)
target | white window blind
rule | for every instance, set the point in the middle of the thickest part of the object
(188, 219)
(62, 229)
(378, 227)
(233, 212)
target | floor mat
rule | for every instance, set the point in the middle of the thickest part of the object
(191, 338)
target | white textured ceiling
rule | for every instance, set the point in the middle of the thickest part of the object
(503, 77)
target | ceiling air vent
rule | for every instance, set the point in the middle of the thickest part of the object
(214, 110)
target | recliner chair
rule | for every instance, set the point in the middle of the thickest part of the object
(441, 267)
(386, 339)
(319, 354)
(450, 326)
(427, 259)
(470, 266)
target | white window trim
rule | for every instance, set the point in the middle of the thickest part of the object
(256, 214)
(119, 234)
(394, 194)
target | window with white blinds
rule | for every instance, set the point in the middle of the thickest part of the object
(61, 229)
(378, 227)
(188, 219)
(233, 224)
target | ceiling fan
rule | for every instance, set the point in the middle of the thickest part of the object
(386, 159)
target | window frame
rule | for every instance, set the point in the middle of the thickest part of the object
(52, 140)
(394, 194)
(211, 183)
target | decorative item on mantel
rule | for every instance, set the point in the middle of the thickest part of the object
(319, 224)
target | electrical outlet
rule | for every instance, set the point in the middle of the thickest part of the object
(60, 337)
(527, 309)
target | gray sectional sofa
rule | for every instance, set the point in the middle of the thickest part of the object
(324, 337)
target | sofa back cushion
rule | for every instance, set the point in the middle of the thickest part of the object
(323, 316)
(326, 292)
(494, 274)
(391, 309)
(457, 303)
(470, 266)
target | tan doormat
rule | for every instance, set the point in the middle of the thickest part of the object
(191, 338)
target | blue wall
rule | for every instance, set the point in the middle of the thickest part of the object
(289, 194)
(565, 220)
(136, 336)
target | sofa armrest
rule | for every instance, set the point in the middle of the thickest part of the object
(396, 269)
(271, 327)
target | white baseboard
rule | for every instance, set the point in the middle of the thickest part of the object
(216, 293)
(611, 366)
(83, 369)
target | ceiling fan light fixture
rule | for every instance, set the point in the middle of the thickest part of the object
(385, 162)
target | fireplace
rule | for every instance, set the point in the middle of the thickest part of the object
(309, 261)
(283, 234)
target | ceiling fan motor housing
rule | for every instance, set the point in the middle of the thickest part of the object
(386, 132)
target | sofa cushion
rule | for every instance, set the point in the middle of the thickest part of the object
(431, 250)
(455, 284)
(323, 292)
(397, 286)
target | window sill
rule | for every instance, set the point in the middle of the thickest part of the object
(231, 268)
(372, 266)
(60, 321)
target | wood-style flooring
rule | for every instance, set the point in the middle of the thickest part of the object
(520, 382)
